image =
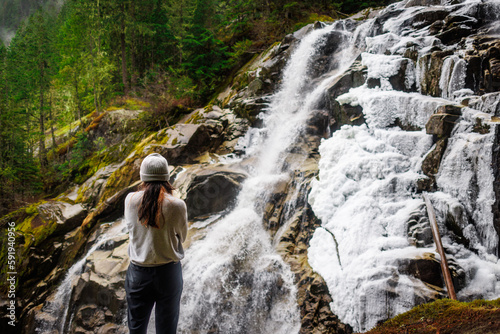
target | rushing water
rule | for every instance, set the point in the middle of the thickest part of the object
(54, 317)
(366, 190)
(235, 281)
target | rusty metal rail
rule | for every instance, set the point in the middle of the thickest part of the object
(439, 245)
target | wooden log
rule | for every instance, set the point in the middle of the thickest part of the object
(439, 245)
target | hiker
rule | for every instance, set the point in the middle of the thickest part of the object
(157, 225)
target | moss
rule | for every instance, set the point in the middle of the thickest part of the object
(447, 316)
(313, 17)
(135, 104)
(31, 229)
(195, 118)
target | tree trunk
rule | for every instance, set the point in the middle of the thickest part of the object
(133, 60)
(51, 123)
(124, 54)
(42, 155)
(77, 98)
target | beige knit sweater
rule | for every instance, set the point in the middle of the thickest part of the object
(151, 246)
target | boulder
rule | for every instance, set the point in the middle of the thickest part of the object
(40, 230)
(343, 114)
(91, 190)
(426, 269)
(212, 190)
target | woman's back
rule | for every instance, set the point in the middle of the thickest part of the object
(151, 246)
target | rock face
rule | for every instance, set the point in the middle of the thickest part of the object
(212, 191)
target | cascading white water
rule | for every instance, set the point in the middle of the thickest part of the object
(235, 281)
(452, 76)
(366, 191)
(55, 312)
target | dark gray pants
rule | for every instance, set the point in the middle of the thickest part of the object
(146, 286)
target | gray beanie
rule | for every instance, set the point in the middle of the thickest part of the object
(154, 167)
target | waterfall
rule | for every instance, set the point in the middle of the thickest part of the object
(365, 194)
(235, 281)
(54, 314)
(452, 79)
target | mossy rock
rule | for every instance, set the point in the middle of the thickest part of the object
(38, 229)
(446, 316)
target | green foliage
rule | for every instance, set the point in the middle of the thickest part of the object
(70, 59)
(75, 163)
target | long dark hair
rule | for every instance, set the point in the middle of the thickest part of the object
(152, 199)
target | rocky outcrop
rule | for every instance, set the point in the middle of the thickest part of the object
(339, 114)
(440, 125)
(211, 190)
(40, 233)
(483, 70)
(95, 298)
(312, 296)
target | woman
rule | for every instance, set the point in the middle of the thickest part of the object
(157, 225)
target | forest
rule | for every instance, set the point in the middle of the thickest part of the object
(63, 63)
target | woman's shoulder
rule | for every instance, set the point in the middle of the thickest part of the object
(172, 201)
(134, 197)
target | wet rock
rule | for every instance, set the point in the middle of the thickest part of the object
(432, 161)
(419, 229)
(461, 19)
(436, 27)
(312, 296)
(427, 269)
(483, 70)
(454, 34)
(425, 184)
(249, 108)
(319, 124)
(433, 63)
(320, 63)
(212, 190)
(399, 81)
(344, 114)
(426, 17)
(441, 123)
(413, 3)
